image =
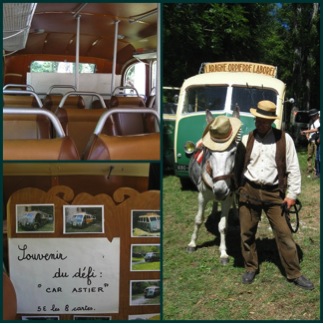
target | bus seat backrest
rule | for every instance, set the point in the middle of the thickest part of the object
(116, 102)
(79, 124)
(19, 101)
(51, 102)
(96, 104)
(44, 149)
(127, 124)
(131, 123)
(9, 299)
(138, 147)
(26, 127)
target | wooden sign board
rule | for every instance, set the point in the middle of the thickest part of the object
(82, 262)
(65, 275)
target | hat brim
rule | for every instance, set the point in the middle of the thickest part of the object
(221, 146)
(254, 112)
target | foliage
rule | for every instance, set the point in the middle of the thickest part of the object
(60, 67)
(285, 35)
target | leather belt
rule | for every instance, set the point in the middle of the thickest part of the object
(261, 186)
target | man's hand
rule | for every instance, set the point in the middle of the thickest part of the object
(289, 202)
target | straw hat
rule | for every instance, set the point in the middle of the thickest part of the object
(221, 132)
(266, 109)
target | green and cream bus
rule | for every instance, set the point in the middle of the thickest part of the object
(222, 88)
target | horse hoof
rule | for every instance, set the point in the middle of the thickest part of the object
(224, 261)
(191, 249)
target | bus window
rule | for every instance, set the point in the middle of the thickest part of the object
(61, 67)
(246, 98)
(201, 98)
(135, 76)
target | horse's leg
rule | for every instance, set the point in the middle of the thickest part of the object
(226, 205)
(199, 219)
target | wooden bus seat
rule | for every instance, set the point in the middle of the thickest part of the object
(136, 148)
(96, 104)
(9, 298)
(79, 124)
(52, 101)
(26, 127)
(45, 149)
(123, 124)
(117, 102)
(19, 101)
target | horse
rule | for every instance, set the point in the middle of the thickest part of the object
(216, 179)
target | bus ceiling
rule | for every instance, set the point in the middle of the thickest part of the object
(113, 32)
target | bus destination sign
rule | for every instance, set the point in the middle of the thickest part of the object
(265, 69)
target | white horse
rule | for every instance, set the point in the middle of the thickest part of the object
(215, 180)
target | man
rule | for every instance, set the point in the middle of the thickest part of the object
(270, 163)
(317, 141)
(314, 123)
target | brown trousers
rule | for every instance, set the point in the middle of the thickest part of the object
(252, 202)
(311, 152)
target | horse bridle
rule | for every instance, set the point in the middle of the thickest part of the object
(230, 176)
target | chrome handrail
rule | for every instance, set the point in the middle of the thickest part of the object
(124, 88)
(61, 87)
(105, 115)
(38, 111)
(82, 93)
(14, 85)
(25, 92)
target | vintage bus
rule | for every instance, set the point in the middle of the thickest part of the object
(81, 129)
(222, 88)
(81, 80)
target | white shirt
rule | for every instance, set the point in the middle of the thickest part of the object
(262, 168)
(314, 125)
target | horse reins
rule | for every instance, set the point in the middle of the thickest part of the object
(285, 211)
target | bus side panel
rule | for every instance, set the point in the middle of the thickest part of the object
(189, 128)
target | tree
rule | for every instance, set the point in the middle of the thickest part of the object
(302, 23)
(197, 33)
(285, 35)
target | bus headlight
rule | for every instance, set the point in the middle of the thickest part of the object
(189, 147)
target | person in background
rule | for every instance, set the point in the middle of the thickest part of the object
(270, 178)
(311, 147)
(317, 140)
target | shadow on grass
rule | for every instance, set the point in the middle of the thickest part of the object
(266, 247)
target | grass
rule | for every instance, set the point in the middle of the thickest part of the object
(146, 266)
(197, 287)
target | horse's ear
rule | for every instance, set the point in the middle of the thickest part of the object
(209, 116)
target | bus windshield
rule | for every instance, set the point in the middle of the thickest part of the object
(200, 98)
(245, 98)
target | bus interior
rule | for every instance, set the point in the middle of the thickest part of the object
(81, 80)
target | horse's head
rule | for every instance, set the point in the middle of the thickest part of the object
(220, 167)
(220, 138)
